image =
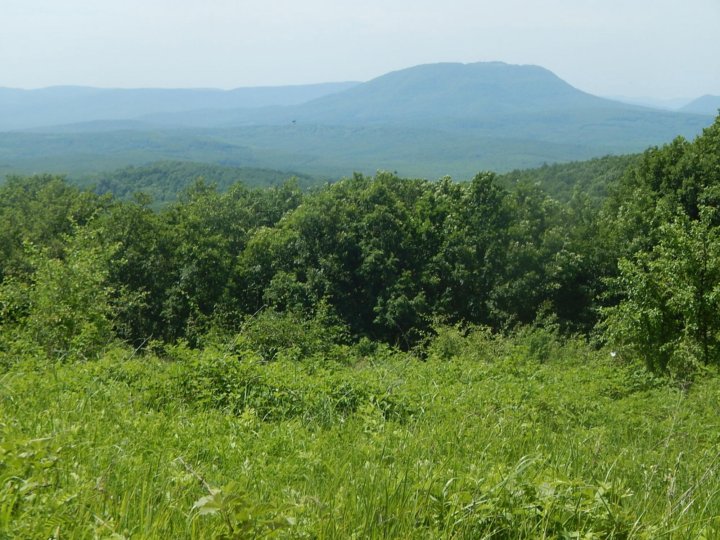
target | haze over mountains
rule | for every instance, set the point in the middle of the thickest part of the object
(23, 109)
(703, 105)
(428, 120)
(423, 95)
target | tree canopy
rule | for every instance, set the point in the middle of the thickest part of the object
(387, 258)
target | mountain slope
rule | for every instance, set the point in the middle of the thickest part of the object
(703, 105)
(422, 95)
(450, 91)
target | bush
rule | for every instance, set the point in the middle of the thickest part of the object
(669, 316)
(65, 307)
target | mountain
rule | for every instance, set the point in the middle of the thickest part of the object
(671, 104)
(485, 100)
(448, 92)
(445, 94)
(424, 95)
(429, 120)
(703, 105)
(23, 109)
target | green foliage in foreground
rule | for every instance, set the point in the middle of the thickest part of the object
(385, 257)
(485, 438)
(261, 396)
(665, 219)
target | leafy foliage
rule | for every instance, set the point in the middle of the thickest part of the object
(668, 281)
(562, 180)
(387, 257)
(67, 307)
(669, 318)
(382, 357)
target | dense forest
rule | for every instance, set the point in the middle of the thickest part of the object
(164, 181)
(362, 311)
(386, 258)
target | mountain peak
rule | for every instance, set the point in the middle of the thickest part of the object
(450, 90)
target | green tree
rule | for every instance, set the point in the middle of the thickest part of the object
(473, 220)
(66, 308)
(670, 316)
(39, 209)
(663, 221)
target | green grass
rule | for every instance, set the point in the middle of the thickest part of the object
(485, 438)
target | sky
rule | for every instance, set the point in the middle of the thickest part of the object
(651, 48)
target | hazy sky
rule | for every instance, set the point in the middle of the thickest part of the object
(656, 48)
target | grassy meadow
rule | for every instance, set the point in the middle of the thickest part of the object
(470, 436)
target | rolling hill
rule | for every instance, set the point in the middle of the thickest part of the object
(163, 181)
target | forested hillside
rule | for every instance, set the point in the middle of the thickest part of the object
(377, 357)
(164, 181)
(593, 178)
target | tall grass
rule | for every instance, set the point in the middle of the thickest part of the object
(484, 438)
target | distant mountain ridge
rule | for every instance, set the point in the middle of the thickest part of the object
(24, 109)
(666, 104)
(484, 100)
(423, 95)
(428, 120)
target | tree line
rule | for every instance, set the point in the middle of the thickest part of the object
(383, 257)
